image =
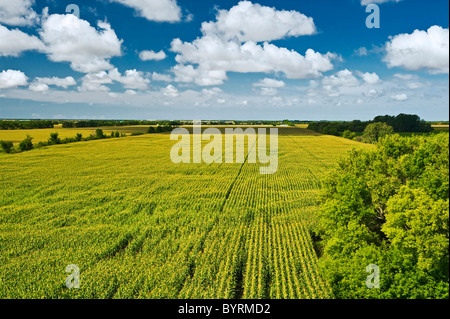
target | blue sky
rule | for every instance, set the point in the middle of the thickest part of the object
(179, 59)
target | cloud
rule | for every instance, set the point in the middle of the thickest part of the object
(130, 92)
(367, 2)
(215, 58)
(369, 78)
(42, 84)
(252, 22)
(132, 79)
(270, 83)
(95, 82)
(400, 97)
(17, 12)
(342, 78)
(14, 42)
(231, 44)
(152, 55)
(69, 39)
(420, 50)
(11, 79)
(161, 77)
(268, 91)
(211, 92)
(362, 51)
(155, 10)
(170, 91)
(405, 77)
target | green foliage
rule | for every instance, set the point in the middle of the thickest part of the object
(349, 134)
(400, 123)
(26, 144)
(389, 207)
(99, 134)
(54, 139)
(375, 131)
(7, 146)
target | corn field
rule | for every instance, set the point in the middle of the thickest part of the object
(139, 226)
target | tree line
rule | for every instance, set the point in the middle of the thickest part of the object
(54, 139)
(400, 123)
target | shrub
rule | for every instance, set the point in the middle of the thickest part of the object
(26, 144)
(349, 134)
(7, 146)
(54, 139)
(99, 133)
(78, 137)
(137, 133)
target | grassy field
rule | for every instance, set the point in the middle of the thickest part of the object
(139, 226)
(42, 135)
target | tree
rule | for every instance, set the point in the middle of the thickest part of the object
(7, 146)
(79, 137)
(375, 131)
(389, 207)
(54, 139)
(26, 144)
(99, 134)
(349, 135)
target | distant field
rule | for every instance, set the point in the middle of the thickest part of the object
(139, 226)
(441, 127)
(42, 135)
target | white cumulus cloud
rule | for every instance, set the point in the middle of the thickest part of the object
(231, 44)
(17, 12)
(170, 91)
(69, 39)
(342, 78)
(252, 22)
(270, 83)
(420, 50)
(400, 97)
(152, 55)
(155, 10)
(14, 42)
(42, 84)
(12, 78)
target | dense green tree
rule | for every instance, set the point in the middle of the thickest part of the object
(7, 146)
(54, 139)
(375, 131)
(26, 144)
(389, 207)
(99, 134)
(349, 134)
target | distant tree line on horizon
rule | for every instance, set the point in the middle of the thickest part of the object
(400, 123)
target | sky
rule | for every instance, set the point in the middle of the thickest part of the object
(223, 59)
